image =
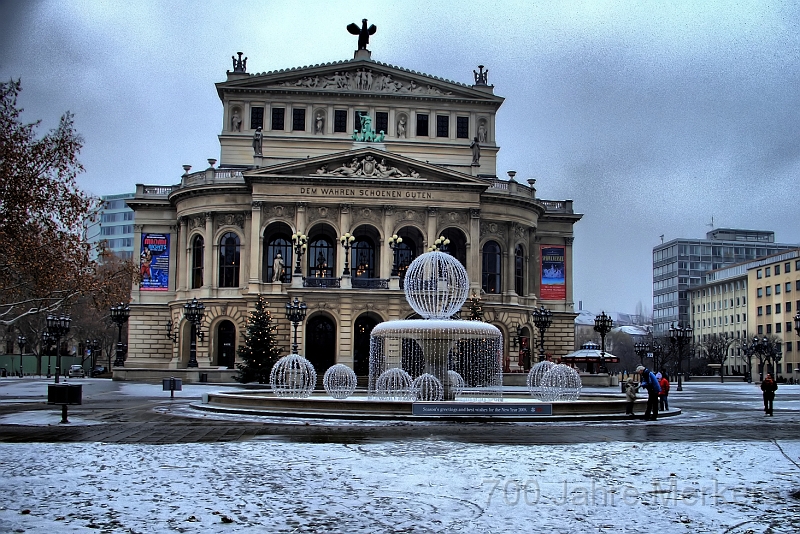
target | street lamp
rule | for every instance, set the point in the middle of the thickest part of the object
(21, 341)
(394, 242)
(680, 336)
(300, 242)
(439, 245)
(797, 323)
(92, 345)
(193, 311)
(347, 241)
(47, 342)
(602, 325)
(649, 349)
(119, 315)
(542, 318)
(58, 326)
(296, 312)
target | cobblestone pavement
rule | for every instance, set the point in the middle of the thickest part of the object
(114, 412)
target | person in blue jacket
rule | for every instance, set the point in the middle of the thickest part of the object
(649, 381)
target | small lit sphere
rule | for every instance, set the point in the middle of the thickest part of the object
(561, 383)
(293, 376)
(427, 387)
(535, 377)
(436, 285)
(456, 382)
(394, 384)
(339, 381)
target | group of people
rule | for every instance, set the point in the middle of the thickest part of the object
(657, 386)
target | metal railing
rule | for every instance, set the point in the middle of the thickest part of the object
(322, 281)
(370, 283)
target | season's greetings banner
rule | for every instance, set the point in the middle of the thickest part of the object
(154, 263)
(554, 286)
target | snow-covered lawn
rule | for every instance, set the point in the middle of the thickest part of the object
(410, 486)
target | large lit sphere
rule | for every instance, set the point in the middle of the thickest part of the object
(394, 384)
(561, 383)
(427, 387)
(339, 381)
(436, 285)
(535, 376)
(456, 382)
(293, 376)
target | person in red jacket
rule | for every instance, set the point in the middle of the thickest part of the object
(663, 401)
(768, 386)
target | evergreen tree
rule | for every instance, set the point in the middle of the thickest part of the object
(260, 350)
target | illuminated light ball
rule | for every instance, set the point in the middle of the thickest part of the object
(293, 377)
(535, 377)
(456, 382)
(339, 381)
(561, 383)
(436, 285)
(394, 384)
(427, 387)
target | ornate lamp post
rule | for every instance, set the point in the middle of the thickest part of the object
(193, 311)
(642, 350)
(649, 349)
(439, 245)
(92, 345)
(300, 242)
(680, 336)
(394, 241)
(296, 312)
(542, 318)
(47, 342)
(347, 241)
(21, 341)
(58, 326)
(119, 315)
(602, 325)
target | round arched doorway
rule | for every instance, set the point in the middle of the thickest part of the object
(226, 344)
(364, 326)
(321, 343)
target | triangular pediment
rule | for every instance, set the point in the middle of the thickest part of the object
(360, 77)
(368, 163)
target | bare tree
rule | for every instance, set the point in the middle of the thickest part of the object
(714, 349)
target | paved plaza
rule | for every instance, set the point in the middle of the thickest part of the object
(132, 460)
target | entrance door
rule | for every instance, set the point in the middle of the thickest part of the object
(364, 326)
(226, 344)
(320, 343)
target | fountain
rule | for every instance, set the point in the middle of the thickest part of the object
(447, 359)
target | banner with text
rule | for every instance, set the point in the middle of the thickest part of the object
(154, 263)
(554, 286)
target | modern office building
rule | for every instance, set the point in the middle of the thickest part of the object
(352, 148)
(114, 225)
(679, 266)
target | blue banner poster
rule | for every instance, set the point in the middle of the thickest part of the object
(554, 285)
(154, 263)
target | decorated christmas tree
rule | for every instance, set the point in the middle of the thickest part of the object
(260, 350)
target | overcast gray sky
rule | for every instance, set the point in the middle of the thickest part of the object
(653, 116)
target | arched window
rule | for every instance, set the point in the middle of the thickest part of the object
(491, 268)
(458, 244)
(320, 258)
(198, 249)
(229, 260)
(519, 269)
(363, 254)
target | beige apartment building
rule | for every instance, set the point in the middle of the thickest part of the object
(354, 147)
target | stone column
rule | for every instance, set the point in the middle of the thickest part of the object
(300, 225)
(508, 258)
(570, 303)
(209, 251)
(255, 247)
(183, 256)
(386, 256)
(431, 227)
(473, 251)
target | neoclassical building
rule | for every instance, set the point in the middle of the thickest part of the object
(353, 147)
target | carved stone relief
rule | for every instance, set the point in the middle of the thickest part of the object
(196, 222)
(453, 217)
(278, 211)
(230, 219)
(410, 215)
(492, 228)
(366, 214)
(316, 213)
(519, 231)
(367, 166)
(363, 80)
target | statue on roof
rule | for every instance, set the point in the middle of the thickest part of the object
(239, 65)
(363, 33)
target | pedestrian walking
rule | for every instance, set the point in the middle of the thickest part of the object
(630, 395)
(768, 386)
(648, 380)
(663, 401)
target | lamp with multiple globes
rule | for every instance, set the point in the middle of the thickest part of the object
(394, 241)
(296, 312)
(347, 241)
(542, 318)
(300, 243)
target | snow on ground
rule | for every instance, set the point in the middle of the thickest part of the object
(409, 486)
